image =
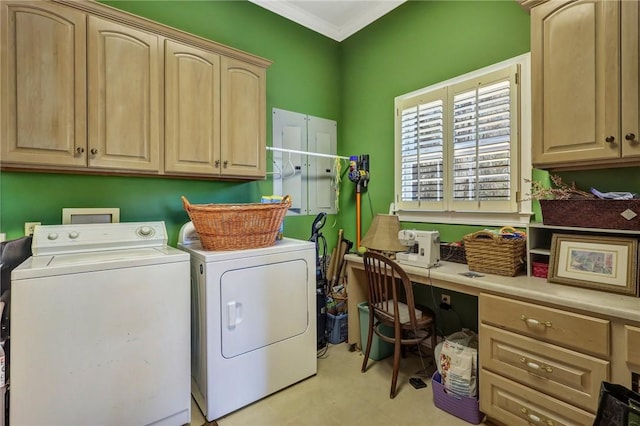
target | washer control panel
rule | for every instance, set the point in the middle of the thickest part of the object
(73, 238)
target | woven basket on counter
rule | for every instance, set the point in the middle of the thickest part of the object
(237, 226)
(495, 254)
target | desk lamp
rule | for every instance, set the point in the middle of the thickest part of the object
(382, 235)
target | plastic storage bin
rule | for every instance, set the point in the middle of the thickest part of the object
(466, 408)
(379, 348)
(337, 328)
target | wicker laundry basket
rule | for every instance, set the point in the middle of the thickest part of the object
(495, 254)
(237, 226)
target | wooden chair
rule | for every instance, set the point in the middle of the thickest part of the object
(387, 283)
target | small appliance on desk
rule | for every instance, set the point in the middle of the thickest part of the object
(424, 248)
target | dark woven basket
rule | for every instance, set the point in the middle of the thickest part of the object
(453, 253)
(605, 214)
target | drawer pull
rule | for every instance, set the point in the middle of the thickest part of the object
(535, 322)
(536, 366)
(535, 419)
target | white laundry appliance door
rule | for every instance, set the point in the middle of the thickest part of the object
(260, 325)
(102, 348)
(260, 307)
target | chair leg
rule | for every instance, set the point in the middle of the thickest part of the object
(368, 349)
(396, 367)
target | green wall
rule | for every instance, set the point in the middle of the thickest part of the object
(418, 44)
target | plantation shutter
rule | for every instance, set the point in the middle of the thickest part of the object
(422, 133)
(483, 131)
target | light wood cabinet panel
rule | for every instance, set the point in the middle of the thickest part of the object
(192, 102)
(584, 56)
(44, 88)
(633, 344)
(124, 97)
(549, 324)
(514, 404)
(243, 134)
(565, 374)
(630, 41)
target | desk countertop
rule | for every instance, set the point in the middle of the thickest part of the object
(448, 275)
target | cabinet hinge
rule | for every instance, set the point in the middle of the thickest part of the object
(518, 196)
(517, 78)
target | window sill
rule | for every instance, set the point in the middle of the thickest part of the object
(466, 218)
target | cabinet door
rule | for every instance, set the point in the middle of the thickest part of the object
(192, 110)
(43, 99)
(575, 51)
(243, 111)
(124, 97)
(630, 78)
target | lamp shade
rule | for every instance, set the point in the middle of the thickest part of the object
(383, 234)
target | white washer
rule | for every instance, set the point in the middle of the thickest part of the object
(100, 328)
(253, 321)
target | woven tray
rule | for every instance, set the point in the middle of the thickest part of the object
(606, 214)
(237, 226)
(495, 254)
(451, 253)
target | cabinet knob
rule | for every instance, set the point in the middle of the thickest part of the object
(630, 137)
(225, 163)
(610, 139)
(217, 163)
(93, 151)
(79, 150)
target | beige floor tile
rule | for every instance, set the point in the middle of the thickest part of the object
(340, 395)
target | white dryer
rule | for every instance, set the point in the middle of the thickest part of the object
(253, 321)
(100, 328)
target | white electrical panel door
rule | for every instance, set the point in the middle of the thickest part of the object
(290, 132)
(321, 138)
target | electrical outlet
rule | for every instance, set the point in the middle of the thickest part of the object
(29, 227)
(446, 299)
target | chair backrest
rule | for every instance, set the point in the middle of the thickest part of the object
(387, 283)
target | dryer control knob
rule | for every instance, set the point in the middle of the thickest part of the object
(73, 235)
(52, 236)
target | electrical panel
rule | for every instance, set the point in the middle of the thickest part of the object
(297, 170)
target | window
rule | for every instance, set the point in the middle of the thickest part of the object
(463, 148)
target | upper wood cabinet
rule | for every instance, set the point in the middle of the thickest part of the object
(192, 117)
(585, 83)
(43, 96)
(243, 118)
(90, 88)
(124, 96)
(215, 114)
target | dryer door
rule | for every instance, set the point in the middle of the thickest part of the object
(262, 305)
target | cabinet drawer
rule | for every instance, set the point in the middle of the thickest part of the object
(586, 334)
(570, 376)
(514, 404)
(633, 344)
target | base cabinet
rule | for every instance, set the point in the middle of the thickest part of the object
(514, 404)
(539, 364)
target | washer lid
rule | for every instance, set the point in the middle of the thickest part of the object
(73, 263)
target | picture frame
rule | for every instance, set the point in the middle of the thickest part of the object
(596, 262)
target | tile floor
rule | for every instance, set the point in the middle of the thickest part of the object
(340, 395)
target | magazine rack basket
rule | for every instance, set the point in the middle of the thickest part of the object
(495, 254)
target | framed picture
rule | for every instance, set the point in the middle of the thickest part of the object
(600, 263)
